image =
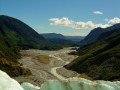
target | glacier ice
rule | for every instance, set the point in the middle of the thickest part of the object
(7, 83)
(80, 84)
(29, 86)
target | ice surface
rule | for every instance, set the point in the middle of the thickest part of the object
(7, 83)
(80, 84)
(28, 86)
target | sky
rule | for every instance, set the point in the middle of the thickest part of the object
(68, 17)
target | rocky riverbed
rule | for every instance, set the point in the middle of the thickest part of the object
(42, 72)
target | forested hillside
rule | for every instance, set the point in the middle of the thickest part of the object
(101, 59)
(95, 33)
(16, 35)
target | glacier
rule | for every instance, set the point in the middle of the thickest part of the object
(75, 83)
(7, 83)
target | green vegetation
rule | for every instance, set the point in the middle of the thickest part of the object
(8, 56)
(16, 35)
(73, 53)
(56, 44)
(97, 34)
(22, 36)
(92, 36)
(19, 34)
(100, 60)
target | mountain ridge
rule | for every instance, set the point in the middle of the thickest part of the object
(101, 59)
(60, 36)
(19, 33)
(95, 33)
(16, 35)
(53, 35)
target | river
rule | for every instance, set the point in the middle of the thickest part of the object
(43, 72)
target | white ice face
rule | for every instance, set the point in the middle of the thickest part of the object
(7, 83)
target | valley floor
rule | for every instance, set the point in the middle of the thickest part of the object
(51, 70)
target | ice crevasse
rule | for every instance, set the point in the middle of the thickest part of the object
(7, 83)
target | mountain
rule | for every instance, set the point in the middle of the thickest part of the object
(95, 33)
(60, 36)
(53, 36)
(100, 59)
(92, 36)
(57, 41)
(19, 33)
(22, 36)
(75, 38)
(8, 58)
(15, 35)
(113, 27)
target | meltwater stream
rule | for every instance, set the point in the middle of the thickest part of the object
(7, 83)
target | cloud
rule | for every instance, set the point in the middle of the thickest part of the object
(65, 21)
(60, 21)
(114, 21)
(82, 25)
(98, 12)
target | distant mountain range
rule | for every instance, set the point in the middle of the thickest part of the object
(53, 35)
(95, 33)
(75, 38)
(101, 58)
(60, 36)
